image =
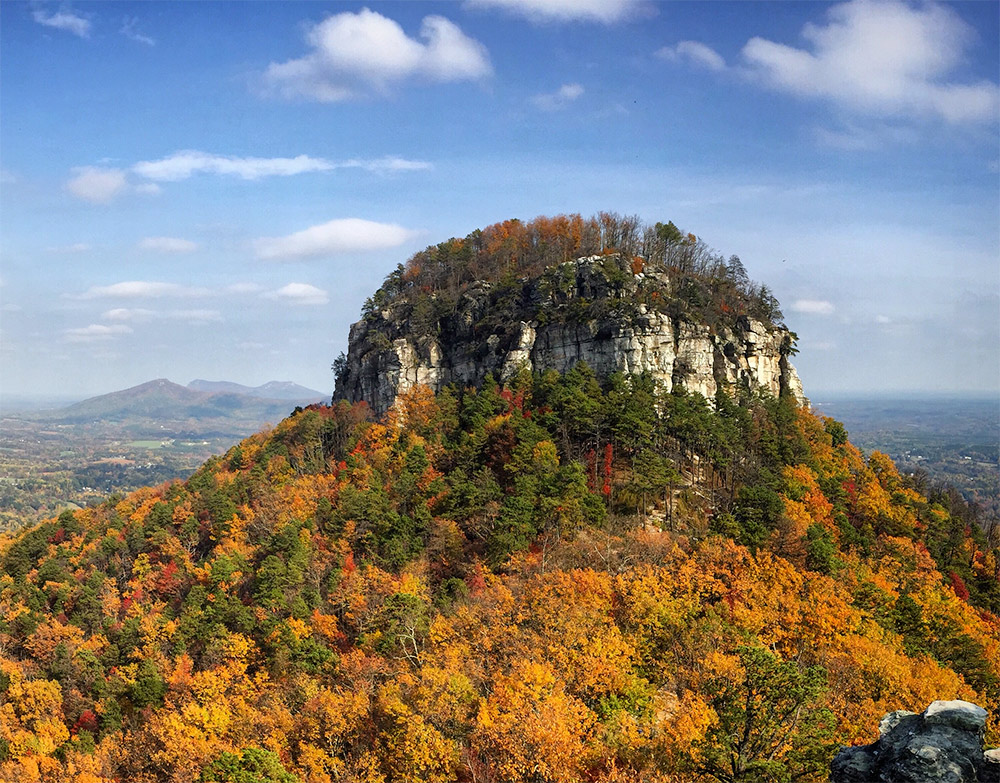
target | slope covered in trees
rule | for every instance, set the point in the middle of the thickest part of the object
(563, 579)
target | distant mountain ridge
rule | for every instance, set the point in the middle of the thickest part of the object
(161, 399)
(272, 390)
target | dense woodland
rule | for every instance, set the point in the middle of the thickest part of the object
(566, 578)
(700, 283)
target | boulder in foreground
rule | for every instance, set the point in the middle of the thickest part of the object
(942, 745)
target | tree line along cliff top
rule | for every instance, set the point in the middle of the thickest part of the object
(682, 275)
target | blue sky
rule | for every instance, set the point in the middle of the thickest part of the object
(210, 190)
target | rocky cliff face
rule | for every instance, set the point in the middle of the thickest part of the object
(942, 745)
(594, 310)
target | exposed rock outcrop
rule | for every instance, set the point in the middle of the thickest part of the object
(592, 310)
(942, 745)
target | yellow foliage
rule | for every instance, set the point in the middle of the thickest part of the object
(31, 717)
(530, 728)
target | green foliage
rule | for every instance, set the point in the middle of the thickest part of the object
(149, 687)
(24, 553)
(771, 725)
(757, 510)
(836, 431)
(253, 765)
(821, 550)
(907, 619)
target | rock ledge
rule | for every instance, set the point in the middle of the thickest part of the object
(943, 745)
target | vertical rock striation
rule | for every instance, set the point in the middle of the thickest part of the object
(582, 311)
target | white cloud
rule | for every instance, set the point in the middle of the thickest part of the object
(813, 306)
(168, 245)
(388, 164)
(354, 54)
(96, 333)
(186, 163)
(694, 53)
(299, 294)
(97, 185)
(127, 314)
(140, 315)
(130, 29)
(560, 99)
(604, 11)
(884, 59)
(182, 165)
(141, 289)
(883, 319)
(102, 185)
(63, 20)
(346, 235)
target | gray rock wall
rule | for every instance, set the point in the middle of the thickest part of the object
(387, 356)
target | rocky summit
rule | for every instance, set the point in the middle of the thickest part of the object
(613, 313)
(944, 744)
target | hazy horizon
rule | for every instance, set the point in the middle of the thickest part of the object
(12, 403)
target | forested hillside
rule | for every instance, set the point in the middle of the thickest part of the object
(564, 578)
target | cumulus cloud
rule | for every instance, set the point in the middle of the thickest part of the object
(299, 294)
(345, 235)
(813, 306)
(603, 11)
(186, 163)
(168, 245)
(97, 185)
(96, 333)
(355, 54)
(884, 59)
(693, 53)
(141, 289)
(560, 99)
(63, 20)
